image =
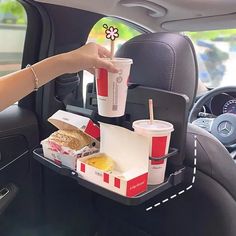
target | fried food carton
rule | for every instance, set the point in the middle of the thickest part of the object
(77, 137)
(122, 163)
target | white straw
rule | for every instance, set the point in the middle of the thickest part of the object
(150, 102)
(112, 48)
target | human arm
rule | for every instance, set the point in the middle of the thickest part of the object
(15, 86)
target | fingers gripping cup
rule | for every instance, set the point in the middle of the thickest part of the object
(112, 88)
(158, 133)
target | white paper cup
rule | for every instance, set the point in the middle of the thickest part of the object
(158, 133)
(112, 88)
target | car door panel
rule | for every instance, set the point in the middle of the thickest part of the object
(18, 136)
(7, 153)
(16, 121)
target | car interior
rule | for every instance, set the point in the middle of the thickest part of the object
(183, 58)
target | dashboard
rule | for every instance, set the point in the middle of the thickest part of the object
(220, 104)
(218, 115)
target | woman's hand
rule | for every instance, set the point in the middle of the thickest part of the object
(15, 86)
(88, 57)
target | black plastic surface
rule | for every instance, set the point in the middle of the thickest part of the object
(168, 106)
(172, 152)
(7, 194)
(173, 180)
(11, 148)
(15, 121)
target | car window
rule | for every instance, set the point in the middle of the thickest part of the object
(97, 35)
(12, 35)
(216, 54)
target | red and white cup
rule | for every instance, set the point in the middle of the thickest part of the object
(112, 88)
(159, 134)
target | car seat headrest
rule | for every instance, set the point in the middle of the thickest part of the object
(163, 60)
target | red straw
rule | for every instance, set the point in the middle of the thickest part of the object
(150, 102)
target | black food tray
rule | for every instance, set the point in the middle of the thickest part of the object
(168, 106)
(173, 180)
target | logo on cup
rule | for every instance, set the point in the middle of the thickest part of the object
(119, 79)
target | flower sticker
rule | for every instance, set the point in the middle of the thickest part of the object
(111, 32)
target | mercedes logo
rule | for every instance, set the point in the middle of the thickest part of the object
(225, 128)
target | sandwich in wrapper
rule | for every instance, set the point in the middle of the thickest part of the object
(76, 137)
(73, 139)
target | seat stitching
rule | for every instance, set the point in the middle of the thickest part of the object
(211, 166)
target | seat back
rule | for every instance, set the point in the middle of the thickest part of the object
(167, 61)
(163, 60)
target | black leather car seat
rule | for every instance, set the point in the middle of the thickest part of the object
(167, 61)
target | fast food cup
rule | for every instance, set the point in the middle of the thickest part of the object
(112, 88)
(159, 134)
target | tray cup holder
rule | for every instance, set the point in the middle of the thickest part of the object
(172, 152)
(168, 174)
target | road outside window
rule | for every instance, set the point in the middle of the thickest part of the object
(216, 54)
(12, 35)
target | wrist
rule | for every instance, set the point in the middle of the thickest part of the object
(50, 68)
(60, 62)
(72, 62)
(67, 63)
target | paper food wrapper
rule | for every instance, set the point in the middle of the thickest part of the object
(68, 121)
(129, 152)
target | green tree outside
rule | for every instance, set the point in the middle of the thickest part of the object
(125, 31)
(16, 9)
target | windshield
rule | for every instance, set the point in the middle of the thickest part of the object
(216, 55)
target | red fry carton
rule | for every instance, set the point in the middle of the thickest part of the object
(129, 151)
(64, 155)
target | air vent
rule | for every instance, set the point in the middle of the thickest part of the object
(153, 9)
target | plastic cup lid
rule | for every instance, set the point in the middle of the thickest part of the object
(120, 60)
(156, 126)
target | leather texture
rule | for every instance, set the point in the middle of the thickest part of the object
(167, 61)
(163, 60)
(212, 158)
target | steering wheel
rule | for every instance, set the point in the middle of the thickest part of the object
(223, 127)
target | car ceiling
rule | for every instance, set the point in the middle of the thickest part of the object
(163, 15)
